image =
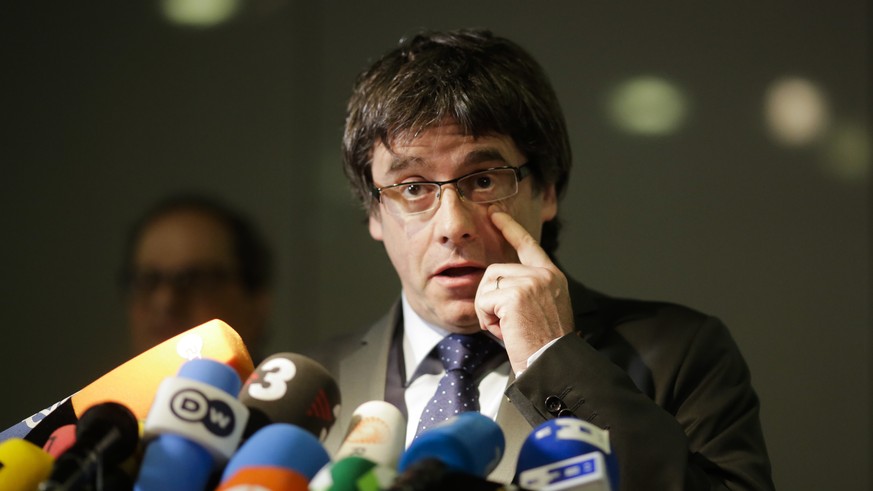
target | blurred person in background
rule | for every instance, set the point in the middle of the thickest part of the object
(190, 259)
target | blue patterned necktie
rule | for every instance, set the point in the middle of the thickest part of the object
(461, 355)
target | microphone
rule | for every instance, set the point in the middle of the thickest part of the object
(377, 432)
(106, 435)
(291, 388)
(23, 465)
(135, 382)
(469, 442)
(567, 454)
(368, 456)
(194, 425)
(459, 453)
(24, 427)
(432, 475)
(114, 478)
(60, 440)
(278, 456)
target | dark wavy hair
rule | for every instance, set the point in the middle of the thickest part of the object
(484, 83)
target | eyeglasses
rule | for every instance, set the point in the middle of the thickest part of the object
(197, 280)
(485, 186)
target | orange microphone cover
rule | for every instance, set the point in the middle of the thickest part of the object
(265, 477)
(135, 382)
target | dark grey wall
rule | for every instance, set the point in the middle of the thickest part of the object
(106, 107)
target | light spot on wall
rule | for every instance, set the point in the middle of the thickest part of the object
(647, 105)
(200, 13)
(796, 111)
(846, 151)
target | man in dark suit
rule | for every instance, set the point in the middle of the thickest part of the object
(456, 144)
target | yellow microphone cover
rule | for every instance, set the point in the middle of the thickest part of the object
(23, 465)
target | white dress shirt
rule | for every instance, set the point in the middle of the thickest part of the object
(419, 339)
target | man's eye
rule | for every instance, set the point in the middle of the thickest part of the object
(483, 182)
(146, 280)
(412, 191)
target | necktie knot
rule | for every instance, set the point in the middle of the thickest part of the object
(467, 352)
(463, 356)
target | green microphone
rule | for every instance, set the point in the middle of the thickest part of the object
(367, 459)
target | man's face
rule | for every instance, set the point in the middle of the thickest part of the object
(441, 255)
(185, 274)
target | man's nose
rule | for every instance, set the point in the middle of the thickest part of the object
(454, 217)
(166, 295)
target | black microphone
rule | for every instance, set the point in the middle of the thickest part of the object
(106, 435)
(432, 474)
(291, 388)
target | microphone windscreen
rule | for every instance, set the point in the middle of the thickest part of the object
(377, 432)
(60, 440)
(199, 404)
(433, 475)
(469, 442)
(23, 465)
(110, 429)
(294, 389)
(106, 435)
(60, 414)
(135, 382)
(279, 445)
(64, 437)
(193, 427)
(565, 449)
(353, 473)
(265, 478)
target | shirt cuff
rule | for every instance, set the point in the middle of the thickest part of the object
(532, 358)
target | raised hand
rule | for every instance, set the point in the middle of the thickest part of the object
(526, 304)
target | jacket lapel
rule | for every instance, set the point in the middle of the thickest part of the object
(362, 373)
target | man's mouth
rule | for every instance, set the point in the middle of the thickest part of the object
(459, 272)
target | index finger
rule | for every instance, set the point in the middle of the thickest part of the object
(528, 249)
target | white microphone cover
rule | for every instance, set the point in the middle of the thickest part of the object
(377, 432)
(197, 411)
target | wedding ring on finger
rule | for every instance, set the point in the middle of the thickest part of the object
(498, 282)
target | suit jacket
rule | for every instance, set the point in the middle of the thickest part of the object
(669, 384)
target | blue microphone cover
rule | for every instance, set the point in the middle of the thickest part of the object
(194, 425)
(469, 442)
(211, 372)
(280, 445)
(564, 438)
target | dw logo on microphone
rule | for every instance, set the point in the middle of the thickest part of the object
(193, 406)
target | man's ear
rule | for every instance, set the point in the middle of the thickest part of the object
(376, 225)
(549, 208)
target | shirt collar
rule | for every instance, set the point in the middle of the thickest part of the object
(419, 338)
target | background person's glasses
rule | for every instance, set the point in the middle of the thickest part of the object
(485, 186)
(193, 280)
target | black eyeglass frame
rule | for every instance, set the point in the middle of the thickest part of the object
(521, 172)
